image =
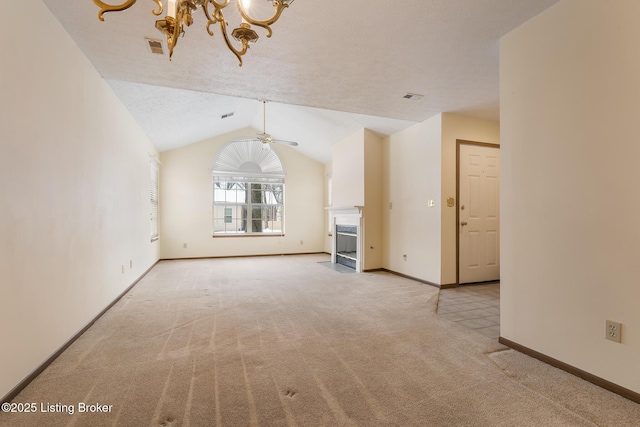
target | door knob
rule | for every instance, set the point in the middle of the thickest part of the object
(463, 223)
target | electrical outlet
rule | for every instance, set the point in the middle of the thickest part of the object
(302, 242)
(184, 245)
(614, 331)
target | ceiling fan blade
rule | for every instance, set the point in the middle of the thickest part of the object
(279, 141)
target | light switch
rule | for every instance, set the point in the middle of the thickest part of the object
(432, 203)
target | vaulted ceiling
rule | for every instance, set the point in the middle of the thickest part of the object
(330, 68)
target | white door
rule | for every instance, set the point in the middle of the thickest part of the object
(479, 214)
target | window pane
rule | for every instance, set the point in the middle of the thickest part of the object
(257, 195)
(233, 213)
(240, 195)
(269, 197)
(242, 226)
(219, 226)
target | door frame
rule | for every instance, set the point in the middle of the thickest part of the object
(460, 142)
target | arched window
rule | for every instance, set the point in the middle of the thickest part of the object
(248, 190)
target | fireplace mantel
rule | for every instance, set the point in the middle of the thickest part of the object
(346, 210)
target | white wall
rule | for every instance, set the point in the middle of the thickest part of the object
(412, 176)
(570, 97)
(74, 192)
(186, 200)
(455, 127)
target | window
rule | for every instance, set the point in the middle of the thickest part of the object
(153, 208)
(248, 190)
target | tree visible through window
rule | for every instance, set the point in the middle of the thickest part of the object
(248, 190)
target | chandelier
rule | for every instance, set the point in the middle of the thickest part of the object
(179, 15)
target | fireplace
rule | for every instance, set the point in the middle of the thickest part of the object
(347, 237)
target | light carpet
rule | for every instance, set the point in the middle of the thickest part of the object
(285, 341)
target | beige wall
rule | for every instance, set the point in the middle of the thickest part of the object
(356, 169)
(455, 127)
(372, 243)
(412, 176)
(419, 164)
(186, 200)
(74, 192)
(570, 96)
(347, 158)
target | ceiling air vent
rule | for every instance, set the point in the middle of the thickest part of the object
(224, 116)
(413, 96)
(155, 46)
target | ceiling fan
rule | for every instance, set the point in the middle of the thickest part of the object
(264, 137)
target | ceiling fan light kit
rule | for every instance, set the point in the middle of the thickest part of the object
(179, 15)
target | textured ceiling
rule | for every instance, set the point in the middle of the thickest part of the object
(327, 71)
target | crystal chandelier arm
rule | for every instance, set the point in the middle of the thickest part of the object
(124, 6)
(280, 6)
